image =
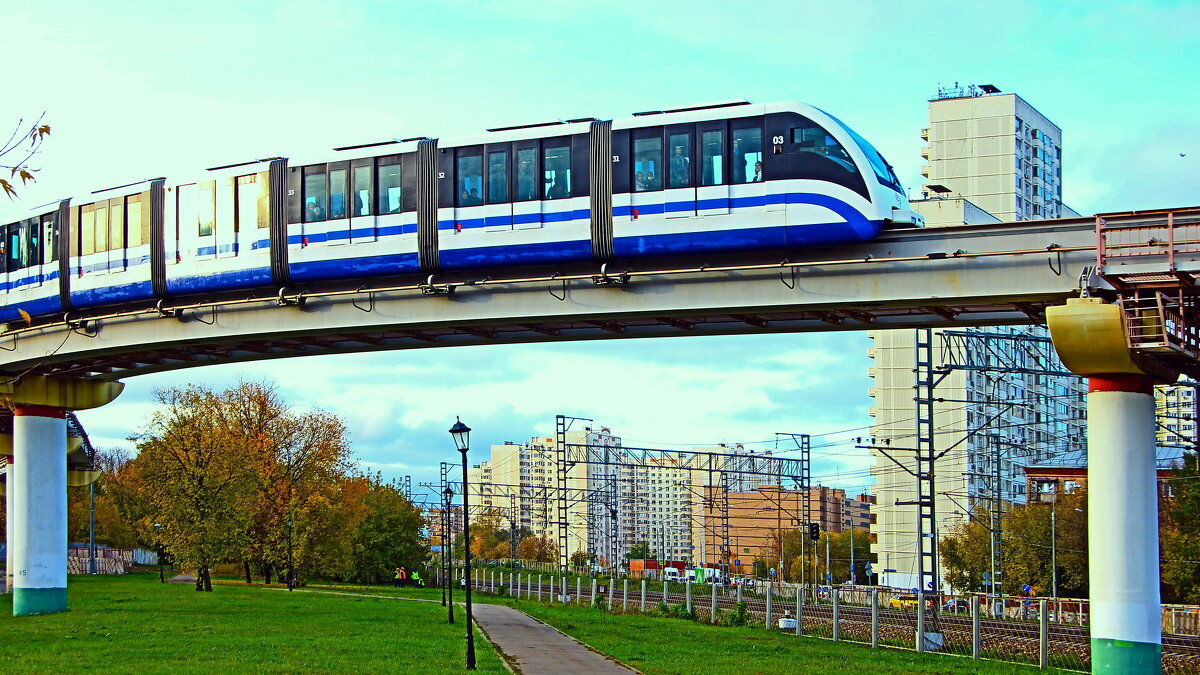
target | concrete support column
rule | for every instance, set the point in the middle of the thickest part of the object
(11, 522)
(39, 510)
(1123, 526)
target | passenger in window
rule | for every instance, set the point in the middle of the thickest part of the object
(559, 190)
(679, 168)
(314, 213)
(739, 162)
(639, 181)
(651, 181)
(757, 173)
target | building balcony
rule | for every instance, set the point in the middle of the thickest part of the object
(925, 134)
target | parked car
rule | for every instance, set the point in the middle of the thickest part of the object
(957, 605)
(903, 602)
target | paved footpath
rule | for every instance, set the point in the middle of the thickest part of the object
(530, 646)
(537, 648)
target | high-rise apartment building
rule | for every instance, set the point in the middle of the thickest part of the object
(995, 150)
(989, 156)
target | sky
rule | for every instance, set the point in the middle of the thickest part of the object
(134, 90)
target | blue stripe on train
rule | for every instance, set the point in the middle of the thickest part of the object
(318, 270)
(485, 256)
(342, 234)
(228, 280)
(29, 280)
(758, 238)
(35, 307)
(112, 294)
(519, 219)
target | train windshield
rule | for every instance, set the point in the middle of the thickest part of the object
(883, 170)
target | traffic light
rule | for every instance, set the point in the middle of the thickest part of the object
(814, 531)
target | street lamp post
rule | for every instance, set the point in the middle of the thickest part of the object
(1054, 549)
(448, 583)
(291, 580)
(461, 434)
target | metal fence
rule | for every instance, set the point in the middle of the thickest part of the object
(1037, 631)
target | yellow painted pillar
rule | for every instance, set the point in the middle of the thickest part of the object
(37, 482)
(1126, 632)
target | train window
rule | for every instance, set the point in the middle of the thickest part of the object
(712, 157)
(746, 160)
(497, 177)
(647, 164)
(134, 235)
(362, 191)
(314, 196)
(30, 242)
(116, 224)
(556, 165)
(526, 174)
(337, 193)
(14, 247)
(87, 230)
(50, 237)
(470, 180)
(681, 160)
(206, 210)
(101, 228)
(389, 186)
(247, 203)
(814, 139)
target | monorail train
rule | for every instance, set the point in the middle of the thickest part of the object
(705, 180)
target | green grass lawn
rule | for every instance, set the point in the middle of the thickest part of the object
(134, 623)
(657, 645)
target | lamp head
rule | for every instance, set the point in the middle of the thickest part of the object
(461, 434)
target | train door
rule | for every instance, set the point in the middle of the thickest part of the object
(337, 223)
(469, 209)
(712, 171)
(646, 200)
(206, 219)
(49, 257)
(527, 205)
(679, 195)
(363, 227)
(498, 214)
(116, 258)
(12, 258)
(747, 189)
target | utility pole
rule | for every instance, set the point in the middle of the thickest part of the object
(828, 570)
(853, 574)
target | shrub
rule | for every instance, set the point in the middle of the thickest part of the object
(738, 616)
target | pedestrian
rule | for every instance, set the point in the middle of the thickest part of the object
(396, 577)
(416, 579)
(403, 578)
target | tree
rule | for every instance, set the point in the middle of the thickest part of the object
(639, 551)
(299, 460)
(1179, 528)
(580, 559)
(539, 549)
(192, 470)
(965, 552)
(388, 535)
(15, 153)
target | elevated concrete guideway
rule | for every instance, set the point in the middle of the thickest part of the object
(991, 274)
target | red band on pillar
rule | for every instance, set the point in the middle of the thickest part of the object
(1134, 384)
(39, 411)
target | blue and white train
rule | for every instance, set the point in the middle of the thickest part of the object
(706, 180)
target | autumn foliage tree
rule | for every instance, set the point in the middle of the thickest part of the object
(22, 144)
